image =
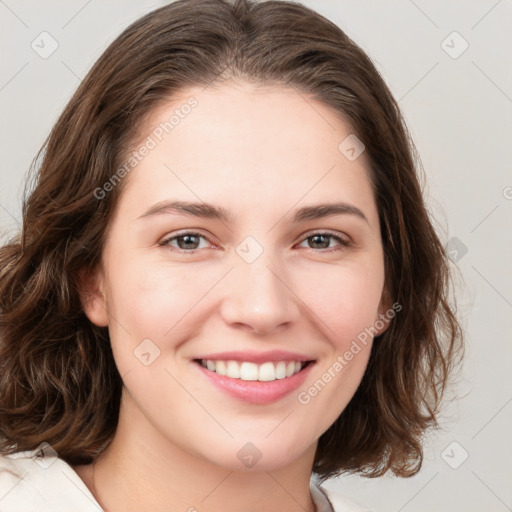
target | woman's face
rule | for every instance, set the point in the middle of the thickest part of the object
(278, 281)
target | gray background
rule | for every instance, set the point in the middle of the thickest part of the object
(459, 113)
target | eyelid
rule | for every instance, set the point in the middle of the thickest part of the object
(164, 242)
(335, 234)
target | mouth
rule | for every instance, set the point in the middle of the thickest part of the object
(249, 371)
(255, 383)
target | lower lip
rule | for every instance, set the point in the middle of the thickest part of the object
(255, 391)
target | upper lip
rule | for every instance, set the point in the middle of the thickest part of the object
(256, 357)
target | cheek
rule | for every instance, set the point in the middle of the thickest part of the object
(345, 305)
(344, 301)
(153, 302)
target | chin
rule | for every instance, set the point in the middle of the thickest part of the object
(258, 455)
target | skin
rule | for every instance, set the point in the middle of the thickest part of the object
(260, 153)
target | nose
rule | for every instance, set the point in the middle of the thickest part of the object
(259, 297)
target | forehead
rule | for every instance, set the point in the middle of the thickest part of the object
(247, 117)
(240, 142)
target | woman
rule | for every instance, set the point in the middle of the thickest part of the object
(172, 336)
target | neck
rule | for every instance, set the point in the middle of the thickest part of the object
(142, 471)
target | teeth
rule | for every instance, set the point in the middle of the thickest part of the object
(248, 371)
(220, 368)
(267, 372)
(233, 370)
(251, 371)
(280, 370)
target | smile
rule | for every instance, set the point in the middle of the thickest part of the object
(255, 383)
(249, 371)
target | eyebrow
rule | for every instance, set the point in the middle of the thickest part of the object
(210, 211)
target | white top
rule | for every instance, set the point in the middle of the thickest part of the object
(48, 484)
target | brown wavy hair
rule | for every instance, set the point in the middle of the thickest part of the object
(58, 379)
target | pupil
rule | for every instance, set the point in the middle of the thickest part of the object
(316, 237)
(187, 239)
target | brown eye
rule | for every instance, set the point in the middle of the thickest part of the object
(186, 242)
(323, 241)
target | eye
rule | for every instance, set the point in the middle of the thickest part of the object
(323, 239)
(187, 242)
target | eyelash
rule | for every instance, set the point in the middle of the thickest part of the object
(343, 244)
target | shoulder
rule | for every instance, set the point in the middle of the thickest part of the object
(14, 469)
(31, 480)
(339, 503)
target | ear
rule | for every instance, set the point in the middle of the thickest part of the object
(92, 295)
(385, 313)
